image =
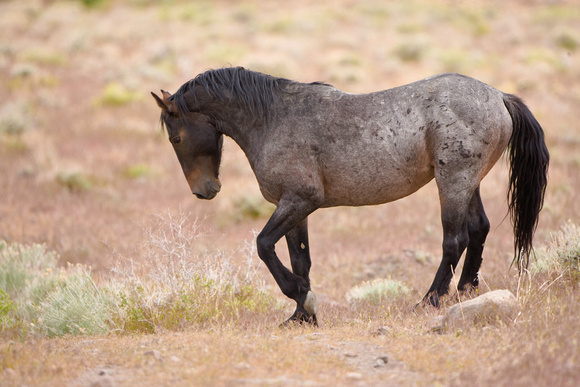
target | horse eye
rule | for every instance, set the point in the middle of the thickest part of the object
(176, 140)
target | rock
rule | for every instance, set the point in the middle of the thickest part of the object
(489, 308)
(103, 381)
(9, 372)
(241, 366)
(354, 375)
(155, 354)
(384, 358)
(382, 331)
(381, 361)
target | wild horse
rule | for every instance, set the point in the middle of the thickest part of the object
(312, 146)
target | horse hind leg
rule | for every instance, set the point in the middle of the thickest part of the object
(454, 210)
(477, 228)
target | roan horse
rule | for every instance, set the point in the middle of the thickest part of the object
(312, 146)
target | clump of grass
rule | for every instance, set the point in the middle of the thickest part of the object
(545, 57)
(251, 207)
(76, 305)
(15, 119)
(45, 57)
(116, 94)
(93, 3)
(457, 61)
(74, 181)
(36, 297)
(567, 42)
(562, 256)
(410, 52)
(377, 291)
(137, 171)
(25, 280)
(179, 282)
(225, 53)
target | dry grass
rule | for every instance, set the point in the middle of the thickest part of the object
(83, 165)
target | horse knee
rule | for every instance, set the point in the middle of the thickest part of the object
(265, 248)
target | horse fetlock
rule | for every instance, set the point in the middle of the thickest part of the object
(311, 303)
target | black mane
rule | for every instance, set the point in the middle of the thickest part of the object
(255, 90)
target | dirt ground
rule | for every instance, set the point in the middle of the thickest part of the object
(84, 167)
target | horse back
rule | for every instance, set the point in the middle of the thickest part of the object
(361, 149)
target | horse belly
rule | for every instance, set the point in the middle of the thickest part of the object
(375, 178)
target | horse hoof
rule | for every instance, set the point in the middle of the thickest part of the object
(299, 318)
(311, 303)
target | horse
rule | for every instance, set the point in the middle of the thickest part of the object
(311, 145)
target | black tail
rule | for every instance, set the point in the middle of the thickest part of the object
(529, 159)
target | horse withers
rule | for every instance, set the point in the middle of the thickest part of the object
(312, 146)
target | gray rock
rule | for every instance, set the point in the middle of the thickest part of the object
(155, 354)
(382, 331)
(490, 308)
(381, 361)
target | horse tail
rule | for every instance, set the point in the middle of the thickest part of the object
(528, 176)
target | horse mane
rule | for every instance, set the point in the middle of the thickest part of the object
(252, 89)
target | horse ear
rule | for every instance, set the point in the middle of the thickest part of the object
(160, 102)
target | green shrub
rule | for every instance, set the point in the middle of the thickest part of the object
(76, 306)
(176, 284)
(26, 278)
(116, 94)
(93, 3)
(567, 42)
(562, 256)
(15, 119)
(74, 181)
(137, 171)
(377, 291)
(251, 207)
(410, 52)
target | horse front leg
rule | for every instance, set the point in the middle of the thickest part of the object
(297, 240)
(290, 213)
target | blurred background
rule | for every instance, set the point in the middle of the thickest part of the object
(84, 166)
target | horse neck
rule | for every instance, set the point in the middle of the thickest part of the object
(241, 126)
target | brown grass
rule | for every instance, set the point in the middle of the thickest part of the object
(70, 144)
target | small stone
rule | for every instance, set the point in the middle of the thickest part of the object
(9, 372)
(155, 354)
(379, 363)
(350, 354)
(437, 325)
(382, 331)
(103, 381)
(243, 366)
(354, 375)
(175, 359)
(384, 359)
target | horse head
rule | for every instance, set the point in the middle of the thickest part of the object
(197, 144)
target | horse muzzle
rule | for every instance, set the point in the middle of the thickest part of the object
(207, 191)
